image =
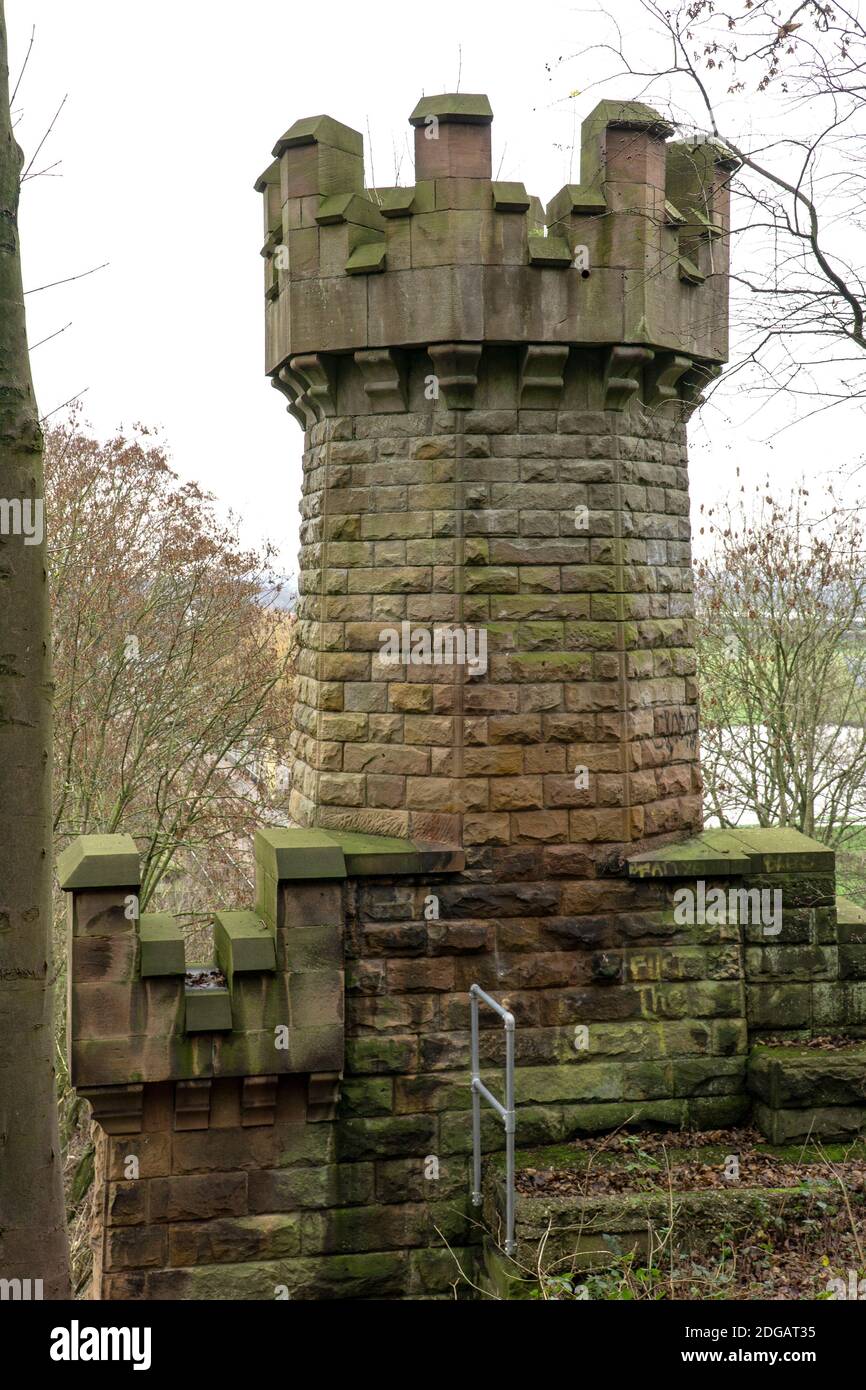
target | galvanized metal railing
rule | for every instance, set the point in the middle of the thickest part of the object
(505, 1112)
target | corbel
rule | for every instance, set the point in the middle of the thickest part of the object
(116, 1109)
(456, 368)
(192, 1104)
(384, 378)
(622, 374)
(258, 1100)
(542, 371)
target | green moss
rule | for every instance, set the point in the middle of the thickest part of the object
(568, 1158)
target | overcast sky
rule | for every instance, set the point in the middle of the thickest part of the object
(173, 108)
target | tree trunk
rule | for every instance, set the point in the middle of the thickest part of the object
(32, 1224)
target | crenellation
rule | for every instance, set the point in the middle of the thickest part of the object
(496, 774)
(452, 137)
(477, 237)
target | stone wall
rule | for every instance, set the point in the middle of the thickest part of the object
(250, 1177)
(560, 535)
(494, 401)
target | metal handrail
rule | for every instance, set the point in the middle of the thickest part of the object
(506, 1112)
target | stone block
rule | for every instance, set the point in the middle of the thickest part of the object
(135, 1247)
(162, 945)
(788, 1077)
(99, 861)
(247, 1238)
(810, 1123)
(298, 854)
(243, 943)
(197, 1197)
(207, 1010)
(302, 1188)
(385, 1137)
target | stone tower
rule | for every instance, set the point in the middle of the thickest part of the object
(496, 775)
(494, 401)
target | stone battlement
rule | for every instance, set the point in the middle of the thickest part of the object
(310, 1136)
(633, 256)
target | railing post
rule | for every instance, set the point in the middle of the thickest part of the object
(476, 1102)
(510, 1126)
(506, 1112)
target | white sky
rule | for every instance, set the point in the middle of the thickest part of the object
(173, 109)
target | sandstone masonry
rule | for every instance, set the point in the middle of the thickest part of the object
(494, 399)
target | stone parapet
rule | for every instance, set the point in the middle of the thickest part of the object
(326, 1171)
(804, 966)
(636, 253)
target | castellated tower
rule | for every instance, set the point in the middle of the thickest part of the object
(497, 788)
(494, 401)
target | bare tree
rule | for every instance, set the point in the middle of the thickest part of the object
(781, 88)
(32, 1222)
(781, 607)
(173, 666)
(173, 662)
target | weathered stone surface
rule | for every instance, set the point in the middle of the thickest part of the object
(495, 774)
(787, 1077)
(197, 1196)
(808, 1123)
(243, 943)
(245, 1238)
(103, 861)
(162, 947)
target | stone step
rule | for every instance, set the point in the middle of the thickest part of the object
(809, 1092)
(737, 853)
(566, 1229)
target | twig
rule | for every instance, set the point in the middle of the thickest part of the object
(69, 278)
(56, 334)
(23, 66)
(44, 173)
(72, 399)
(44, 138)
